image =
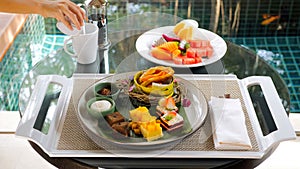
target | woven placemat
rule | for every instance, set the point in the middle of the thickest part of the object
(73, 136)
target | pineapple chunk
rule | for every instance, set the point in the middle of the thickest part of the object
(151, 130)
(141, 114)
(148, 125)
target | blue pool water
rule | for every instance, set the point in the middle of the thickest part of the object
(283, 53)
(19, 59)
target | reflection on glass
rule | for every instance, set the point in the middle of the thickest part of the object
(262, 110)
(58, 63)
(47, 109)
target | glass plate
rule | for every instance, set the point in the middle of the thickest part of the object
(103, 135)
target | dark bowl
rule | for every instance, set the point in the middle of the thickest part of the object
(107, 89)
(97, 114)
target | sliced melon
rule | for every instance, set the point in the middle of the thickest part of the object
(161, 54)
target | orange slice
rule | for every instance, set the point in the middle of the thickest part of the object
(176, 53)
(169, 46)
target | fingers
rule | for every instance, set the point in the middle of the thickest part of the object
(60, 16)
(72, 13)
(83, 14)
(67, 23)
(73, 19)
(79, 14)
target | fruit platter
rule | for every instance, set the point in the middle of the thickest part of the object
(147, 109)
(181, 45)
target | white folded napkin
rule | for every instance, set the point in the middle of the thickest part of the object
(228, 124)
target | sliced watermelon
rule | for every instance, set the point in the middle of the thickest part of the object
(191, 52)
(199, 43)
(200, 52)
(205, 43)
(184, 60)
(198, 59)
(188, 61)
(178, 60)
(209, 51)
(195, 43)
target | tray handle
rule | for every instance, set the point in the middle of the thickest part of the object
(26, 125)
(284, 130)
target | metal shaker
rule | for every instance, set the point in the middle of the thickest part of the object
(96, 11)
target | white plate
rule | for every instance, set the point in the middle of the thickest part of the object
(144, 43)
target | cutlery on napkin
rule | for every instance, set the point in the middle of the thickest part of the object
(228, 124)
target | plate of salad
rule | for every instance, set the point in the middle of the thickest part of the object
(163, 47)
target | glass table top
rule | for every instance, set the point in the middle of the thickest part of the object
(122, 56)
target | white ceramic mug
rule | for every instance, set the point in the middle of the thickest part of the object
(85, 45)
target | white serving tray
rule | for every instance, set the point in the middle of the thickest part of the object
(48, 142)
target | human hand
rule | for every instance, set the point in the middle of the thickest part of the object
(64, 11)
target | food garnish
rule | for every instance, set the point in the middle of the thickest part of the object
(158, 42)
(170, 39)
(186, 102)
